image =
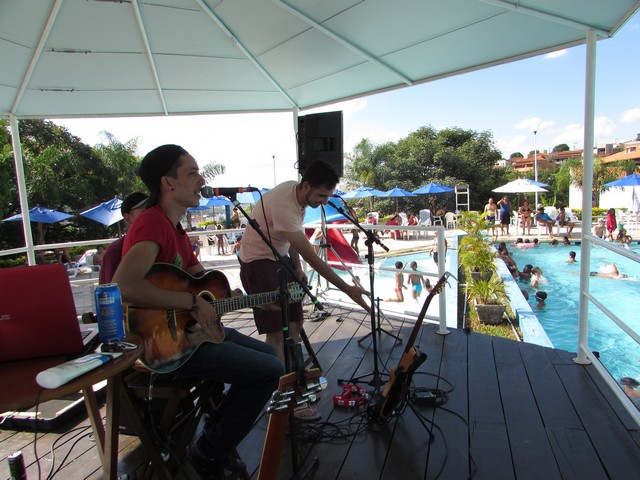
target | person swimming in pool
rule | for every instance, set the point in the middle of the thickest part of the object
(609, 270)
(541, 297)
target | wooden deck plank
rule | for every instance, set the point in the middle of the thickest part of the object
(487, 425)
(617, 449)
(452, 418)
(524, 425)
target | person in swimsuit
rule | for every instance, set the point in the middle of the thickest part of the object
(417, 281)
(490, 209)
(525, 214)
(400, 286)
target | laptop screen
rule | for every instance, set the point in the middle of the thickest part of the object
(37, 313)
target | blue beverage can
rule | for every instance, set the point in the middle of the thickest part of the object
(109, 312)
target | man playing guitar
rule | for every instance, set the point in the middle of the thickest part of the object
(250, 366)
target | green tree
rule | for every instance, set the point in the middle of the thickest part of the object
(450, 157)
(516, 155)
(563, 147)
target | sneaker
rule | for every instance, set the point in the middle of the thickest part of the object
(218, 466)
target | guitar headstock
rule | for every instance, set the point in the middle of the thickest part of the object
(441, 283)
(290, 393)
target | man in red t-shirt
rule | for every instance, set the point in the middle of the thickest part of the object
(249, 366)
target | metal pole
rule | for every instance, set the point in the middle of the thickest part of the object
(535, 162)
(22, 189)
(587, 197)
(274, 169)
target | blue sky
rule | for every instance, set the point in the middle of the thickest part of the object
(544, 93)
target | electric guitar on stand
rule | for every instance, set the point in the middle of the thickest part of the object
(170, 337)
(400, 377)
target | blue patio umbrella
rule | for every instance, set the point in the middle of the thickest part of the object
(217, 201)
(202, 206)
(362, 192)
(207, 203)
(251, 197)
(632, 180)
(397, 193)
(40, 214)
(314, 215)
(107, 213)
(432, 189)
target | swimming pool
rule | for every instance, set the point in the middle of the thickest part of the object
(559, 317)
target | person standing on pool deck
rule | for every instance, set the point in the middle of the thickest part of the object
(434, 248)
(505, 214)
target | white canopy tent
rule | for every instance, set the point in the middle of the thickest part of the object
(83, 58)
(80, 58)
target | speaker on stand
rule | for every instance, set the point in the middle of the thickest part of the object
(320, 138)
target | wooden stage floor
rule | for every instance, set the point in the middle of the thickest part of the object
(513, 410)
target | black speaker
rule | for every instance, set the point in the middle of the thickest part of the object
(320, 138)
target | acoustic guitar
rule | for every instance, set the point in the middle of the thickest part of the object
(170, 337)
(292, 391)
(396, 389)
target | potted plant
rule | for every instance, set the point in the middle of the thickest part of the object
(476, 258)
(475, 254)
(489, 298)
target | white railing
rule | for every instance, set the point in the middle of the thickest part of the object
(585, 353)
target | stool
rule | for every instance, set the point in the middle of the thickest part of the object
(164, 413)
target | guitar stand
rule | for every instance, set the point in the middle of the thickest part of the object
(378, 328)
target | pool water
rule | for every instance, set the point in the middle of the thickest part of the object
(559, 317)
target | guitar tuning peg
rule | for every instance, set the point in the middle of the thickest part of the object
(311, 397)
(320, 384)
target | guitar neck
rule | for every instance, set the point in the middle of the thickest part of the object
(416, 328)
(239, 302)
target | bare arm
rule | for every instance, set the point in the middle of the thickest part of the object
(138, 291)
(301, 246)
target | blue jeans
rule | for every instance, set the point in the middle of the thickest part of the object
(253, 370)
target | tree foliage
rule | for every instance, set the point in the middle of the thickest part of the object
(563, 147)
(451, 157)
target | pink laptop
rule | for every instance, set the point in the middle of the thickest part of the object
(37, 313)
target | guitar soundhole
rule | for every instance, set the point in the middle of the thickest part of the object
(189, 326)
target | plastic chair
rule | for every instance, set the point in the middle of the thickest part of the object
(450, 220)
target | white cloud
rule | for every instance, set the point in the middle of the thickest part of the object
(557, 54)
(519, 143)
(572, 135)
(604, 127)
(535, 123)
(630, 116)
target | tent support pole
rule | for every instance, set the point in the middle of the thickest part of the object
(22, 190)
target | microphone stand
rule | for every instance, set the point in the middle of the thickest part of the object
(292, 352)
(376, 377)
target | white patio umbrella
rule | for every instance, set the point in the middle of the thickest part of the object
(521, 185)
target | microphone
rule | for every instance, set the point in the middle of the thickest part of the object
(231, 192)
